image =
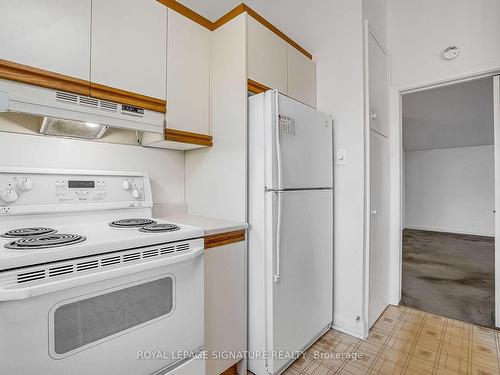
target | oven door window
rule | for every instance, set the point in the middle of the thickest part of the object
(83, 322)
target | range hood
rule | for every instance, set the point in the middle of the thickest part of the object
(75, 114)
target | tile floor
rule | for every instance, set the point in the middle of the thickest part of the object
(407, 341)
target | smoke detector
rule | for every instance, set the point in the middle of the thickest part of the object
(450, 53)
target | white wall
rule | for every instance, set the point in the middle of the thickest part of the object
(166, 168)
(420, 30)
(450, 190)
(216, 177)
(340, 92)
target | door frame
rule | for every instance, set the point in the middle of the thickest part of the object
(496, 127)
(397, 182)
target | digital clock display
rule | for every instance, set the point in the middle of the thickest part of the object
(73, 184)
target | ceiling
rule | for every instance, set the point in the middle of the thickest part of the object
(452, 116)
(292, 17)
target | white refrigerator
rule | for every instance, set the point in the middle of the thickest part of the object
(290, 237)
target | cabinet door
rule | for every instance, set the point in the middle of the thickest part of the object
(188, 75)
(129, 42)
(301, 77)
(267, 57)
(378, 64)
(225, 303)
(53, 35)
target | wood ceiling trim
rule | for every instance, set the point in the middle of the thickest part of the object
(185, 11)
(233, 13)
(252, 13)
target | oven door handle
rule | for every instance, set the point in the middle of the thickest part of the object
(18, 292)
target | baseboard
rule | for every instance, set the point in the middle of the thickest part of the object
(345, 326)
(446, 230)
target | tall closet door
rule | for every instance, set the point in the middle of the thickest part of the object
(379, 87)
(379, 261)
(379, 226)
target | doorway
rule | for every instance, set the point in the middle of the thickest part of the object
(448, 201)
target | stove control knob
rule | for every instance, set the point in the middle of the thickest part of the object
(126, 185)
(136, 194)
(9, 196)
(25, 184)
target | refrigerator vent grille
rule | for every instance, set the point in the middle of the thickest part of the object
(287, 125)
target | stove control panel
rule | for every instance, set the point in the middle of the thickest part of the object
(47, 188)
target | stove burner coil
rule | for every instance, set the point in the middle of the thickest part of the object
(159, 228)
(45, 241)
(131, 223)
(28, 232)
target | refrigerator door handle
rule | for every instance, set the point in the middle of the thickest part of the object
(279, 197)
(279, 176)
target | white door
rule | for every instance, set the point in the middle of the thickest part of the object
(379, 227)
(304, 152)
(299, 304)
(188, 75)
(301, 77)
(53, 35)
(266, 56)
(129, 46)
(496, 98)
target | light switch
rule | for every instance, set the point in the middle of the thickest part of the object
(341, 157)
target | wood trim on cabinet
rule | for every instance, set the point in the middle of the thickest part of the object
(233, 370)
(174, 135)
(221, 239)
(99, 91)
(255, 87)
(43, 78)
(245, 8)
(186, 12)
(233, 13)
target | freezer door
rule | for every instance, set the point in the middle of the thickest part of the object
(299, 143)
(299, 301)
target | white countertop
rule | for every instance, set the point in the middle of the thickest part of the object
(209, 225)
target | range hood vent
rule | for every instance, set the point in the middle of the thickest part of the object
(75, 115)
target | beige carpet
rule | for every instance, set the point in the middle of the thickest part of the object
(450, 275)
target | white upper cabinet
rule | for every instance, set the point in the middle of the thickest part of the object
(267, 56)
(129, 45)
(53, 35)
(301, 77)
(378, 63)
(188, 75)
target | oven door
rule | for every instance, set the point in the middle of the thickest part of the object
(147, 320)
